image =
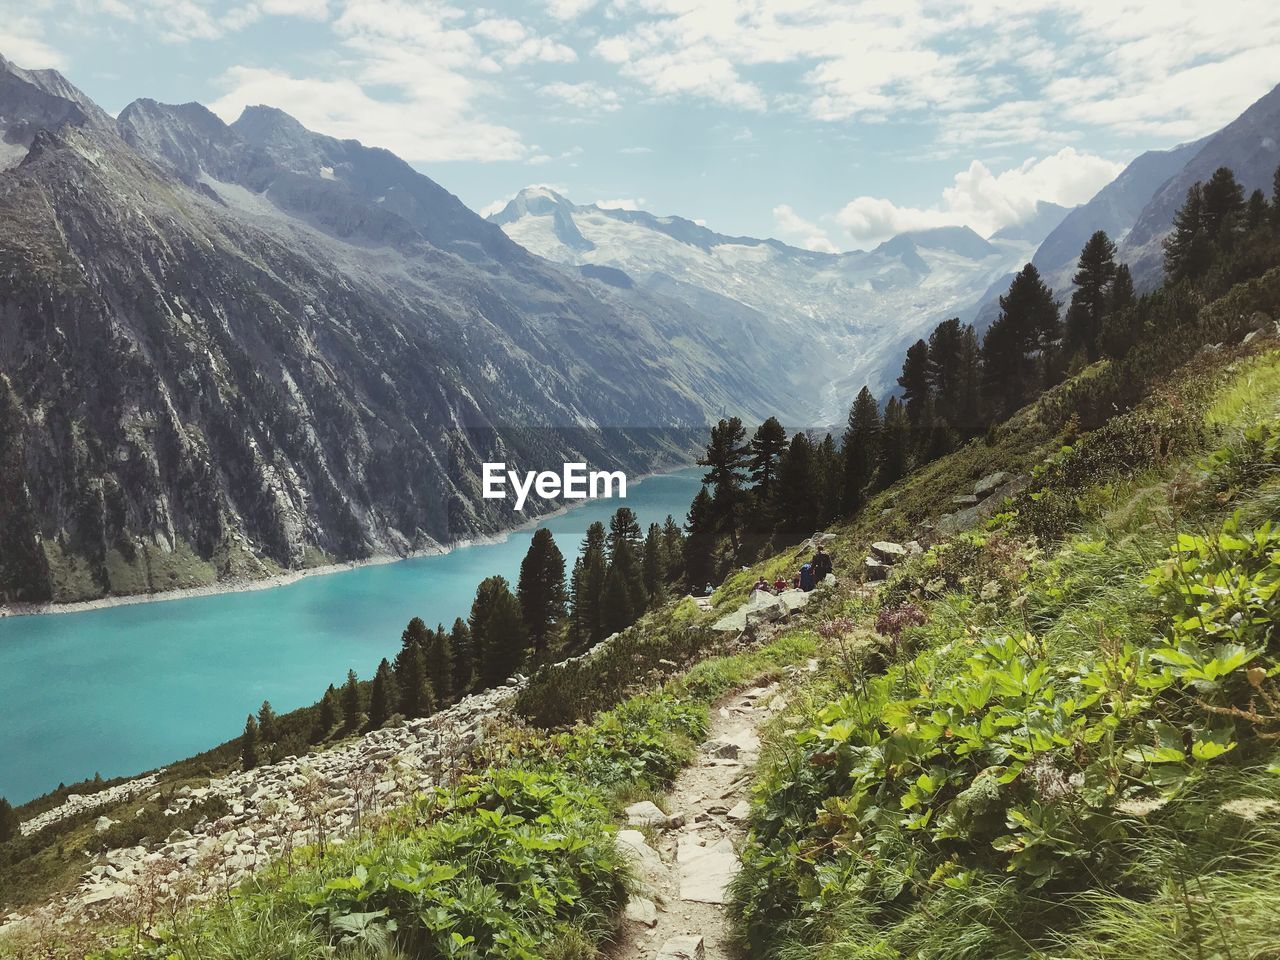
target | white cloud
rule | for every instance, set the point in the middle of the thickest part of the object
(342, 108)
(21, 41)
(584, 96)
(635, 151)
(982, 200)
(569, 9)
(801, 232)
(622, 203)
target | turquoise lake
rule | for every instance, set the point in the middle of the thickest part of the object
(126, 689)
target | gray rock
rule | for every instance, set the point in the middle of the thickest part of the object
(965, 500)
(874, 569)
(887, 551)
(705, 872)
(987, 485)
(646, 814)
(641, 910)
(689, 947)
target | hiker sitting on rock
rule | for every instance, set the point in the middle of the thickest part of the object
(821, 563)
(762, 584)
(779, 585)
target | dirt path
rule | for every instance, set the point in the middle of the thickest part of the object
(691, 855)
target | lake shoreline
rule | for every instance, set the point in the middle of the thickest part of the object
(287, 577)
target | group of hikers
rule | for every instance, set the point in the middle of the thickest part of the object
(806, 578)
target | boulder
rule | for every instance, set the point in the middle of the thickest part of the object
(739, 811)
(705, 872)
(641, 910)
(888, 552)
(965, 500)
(103, 824)
(875, 570)
(644, 860)
(646, 813)
(913, 548)
(988, 484)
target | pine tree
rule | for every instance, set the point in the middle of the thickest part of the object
(624, 531)
(915, 380)
(497, 631)
(672, 549)
(1016, 352)
(617, 604)
(1095, 272)
(382, 695)
(8, 821)
(700, 542)
(653, 568)
(586, 587)
(726, 456)
(352, 708)
(1187, 249)
(541, 589)
(967, 417)
(267, 727)
(625, 563)
(945, 367)
(330, 714)
(249, 744)
(1118, 333)
(895, 443)
(767, 444)
(1224, 207)
(410, 677)
(829, 466)
(1255, 214)
(1275, 197)
(861, 448)
(463, 652)
(439, 666)
(798, 488)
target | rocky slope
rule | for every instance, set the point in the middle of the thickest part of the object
(227, 350)
(838, 320)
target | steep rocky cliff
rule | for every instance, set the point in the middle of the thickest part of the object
(228, 350)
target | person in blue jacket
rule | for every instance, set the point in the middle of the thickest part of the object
(807, 579)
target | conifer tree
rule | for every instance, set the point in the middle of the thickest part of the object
(699, 542)
(382, 695)
(330, 713)
(1121, 296)
(915, 380)
(586, 588)
(410, 677)
(352, 708)
(1224, 206)
(617, 604)
(541, 589)
(625, 563)
(8, 821)
(1275, 197)
(1017, 347)
(1256, 213)
(653, 567)
(1095, 272)
(726, 458)
(672, 549)
(945, 356)
(624, 532)
(830, 469)
(967, 417)
(267, 727)
(463, 653)
(497, 631)
(439, 666)
(861, 448)
(798, 488)
(767, 444)
(895, 443)
(1187, 249)
(249, 744)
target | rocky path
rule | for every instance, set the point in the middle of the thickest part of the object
(686, 858)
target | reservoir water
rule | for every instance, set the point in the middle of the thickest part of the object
(125, 689)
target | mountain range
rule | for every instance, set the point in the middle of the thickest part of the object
(228, 350)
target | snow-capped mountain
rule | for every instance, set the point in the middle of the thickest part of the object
(845, 318)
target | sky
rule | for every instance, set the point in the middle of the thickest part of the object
(829, 124)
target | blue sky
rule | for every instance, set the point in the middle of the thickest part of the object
(828, 124)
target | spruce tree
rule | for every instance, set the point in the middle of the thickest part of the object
(267, 726)
(410, 677)
(541, 589)
(767, 444)
(463, 652)
(915, 380)
(861, 448)
(382, 695)
(653, 567)
(1275, 197)
(330, 713)
(249, 744)
(625, 563)
(895, 443)
(967, 417)
(1224, 207)
(700, 542)
(726, 458)
(1095, 272)
(497, 631)
(439, 666)
(1255, 214)
(8, 821)
(1016, 352)
(352, 707)
(945, 365)
(617, 604)
(586, 587)
(1187, 248)
(624, 530)
(829, 467)
(672, 549)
